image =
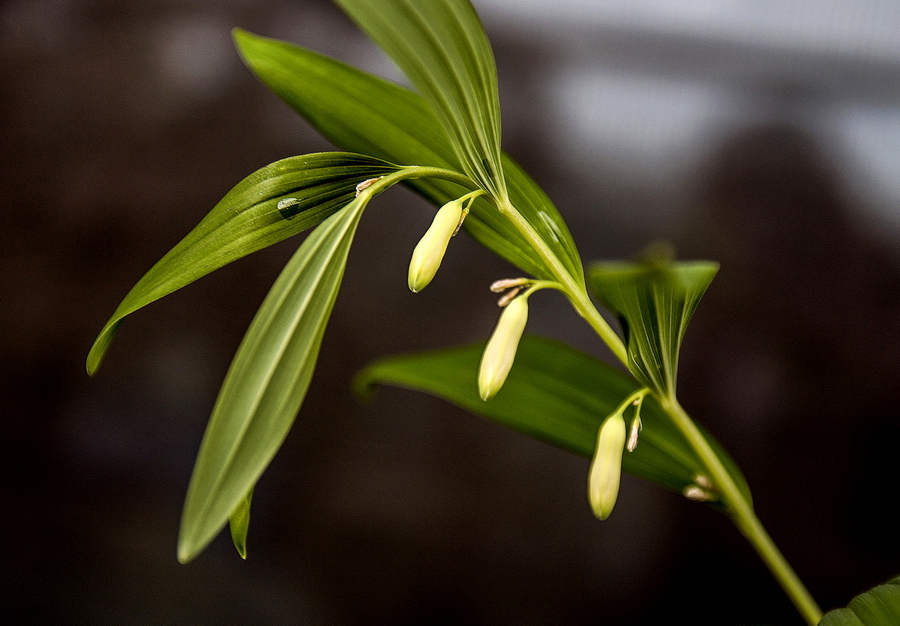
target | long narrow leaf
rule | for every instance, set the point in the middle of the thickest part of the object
(654, 301)
(556, 394)
(441, 47)
(363, 113)
(267, 381)
(275, 202)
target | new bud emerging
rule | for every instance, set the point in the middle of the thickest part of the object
(500, 351)
(427, 257)
(633, 432)
(606, 468)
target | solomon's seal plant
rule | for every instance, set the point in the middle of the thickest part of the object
(443, 141)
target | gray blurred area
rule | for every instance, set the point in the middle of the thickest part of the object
(762, 135)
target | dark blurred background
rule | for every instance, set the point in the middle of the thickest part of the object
(763, 135)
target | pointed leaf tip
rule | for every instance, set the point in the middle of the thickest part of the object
(275, 202)
(239, 524)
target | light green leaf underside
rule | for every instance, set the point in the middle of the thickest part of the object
(443, 50)
(654, 301)
(366, 114)
(555, 394)
(877, 607)
(267, 380)
(239, 524)
(246, 220)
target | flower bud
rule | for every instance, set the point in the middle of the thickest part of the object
(606, 468)
(698, 494)
(500, 351)
(633, 432)
(429, 252)
(499, 286)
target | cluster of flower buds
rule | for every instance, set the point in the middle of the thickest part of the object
(429, 252)
(510, 288)
(701, 490)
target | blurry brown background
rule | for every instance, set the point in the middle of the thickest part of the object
(764, 137)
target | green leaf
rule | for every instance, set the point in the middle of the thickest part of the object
(654, 301)
(555, 394)
(441, 47)
(366, 114)
(877, 607)
(248, 218)
(239, 524)
(267, 380)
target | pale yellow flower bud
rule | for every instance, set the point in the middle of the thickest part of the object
(427, 257)
(606, 468)
(500, 351)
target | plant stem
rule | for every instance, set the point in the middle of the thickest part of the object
(575, 292)
(420, 171)
(744, 516)
(739, 507)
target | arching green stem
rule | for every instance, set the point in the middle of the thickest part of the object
(417, 171)
(739, 508)
(575, 291)
(743, 515)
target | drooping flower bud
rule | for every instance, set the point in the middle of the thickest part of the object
(606, 468)
(429, 252)
(500, 351)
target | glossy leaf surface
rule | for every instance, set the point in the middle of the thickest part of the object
(267, 380)
(367, 114)
(555, 394)
(654, 301)
(443, 50)
(273, 203)
(877, 607)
